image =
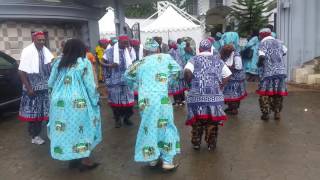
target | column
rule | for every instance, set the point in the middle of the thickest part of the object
(94, 34)
(119, 17)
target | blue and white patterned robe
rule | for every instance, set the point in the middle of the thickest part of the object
(119, 94)
(273, 73)
(205, 98)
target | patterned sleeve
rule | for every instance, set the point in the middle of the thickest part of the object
(131, 74)
(89, 83)
(108, 56)
(252, 42)
(174, 67)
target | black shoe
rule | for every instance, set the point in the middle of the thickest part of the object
(196, 147)
(277, 116)
(212, 147)
(118, 123)
(74, 163)
(232, 112)
(265, 117)
(128, 122)
(83, 167)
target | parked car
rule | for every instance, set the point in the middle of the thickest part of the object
(10, 84)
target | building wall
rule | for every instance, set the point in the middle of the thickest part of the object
(298, 26)
(15, 35)
(67, 18)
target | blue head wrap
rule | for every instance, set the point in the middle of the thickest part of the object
(151, 45)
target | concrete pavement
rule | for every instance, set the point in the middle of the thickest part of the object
(248, 148)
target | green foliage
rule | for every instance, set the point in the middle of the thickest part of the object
(147, 8)
(250, 15)
(140, 10)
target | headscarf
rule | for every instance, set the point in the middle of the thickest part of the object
(113, 40)
(205, 45)
(265, 32)
(172, 45)
(231, 38)
(219, 34)
(123, 38)
(104, 41)
(134, 42)
(151, 45)
(211, 39)
(38, 33)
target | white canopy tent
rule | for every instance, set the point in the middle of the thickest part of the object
(106, 24)
(171, 25)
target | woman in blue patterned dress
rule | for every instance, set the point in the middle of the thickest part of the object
(250, 63)
(158, 137)
(74, 127)
(207, 74)
(177, 88)
(235, 90)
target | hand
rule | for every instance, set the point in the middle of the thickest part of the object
(114, 65)
(30, 93)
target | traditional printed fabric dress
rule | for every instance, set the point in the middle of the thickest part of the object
(36, 108)
(205, 98)
(250, 65)
(177, 87)
(99, 53)
(158, 136)
(75, 124)
(273, 72)
(235, 89)
(120, 95)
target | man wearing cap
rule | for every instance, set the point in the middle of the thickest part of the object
(158, 137)
(207, 74)
(272, 86)
(121, 98)
(34, 71)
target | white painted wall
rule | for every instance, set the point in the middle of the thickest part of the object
(298, 26)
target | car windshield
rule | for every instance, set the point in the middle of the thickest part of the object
(5, 64)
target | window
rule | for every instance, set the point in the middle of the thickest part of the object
(5, 64)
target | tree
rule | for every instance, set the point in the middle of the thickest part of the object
(148, 8)
(142, 10)
(251, 15)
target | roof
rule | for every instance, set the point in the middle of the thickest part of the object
(170, 20)
(49, 9)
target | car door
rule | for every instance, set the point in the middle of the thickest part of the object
(10, 85)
